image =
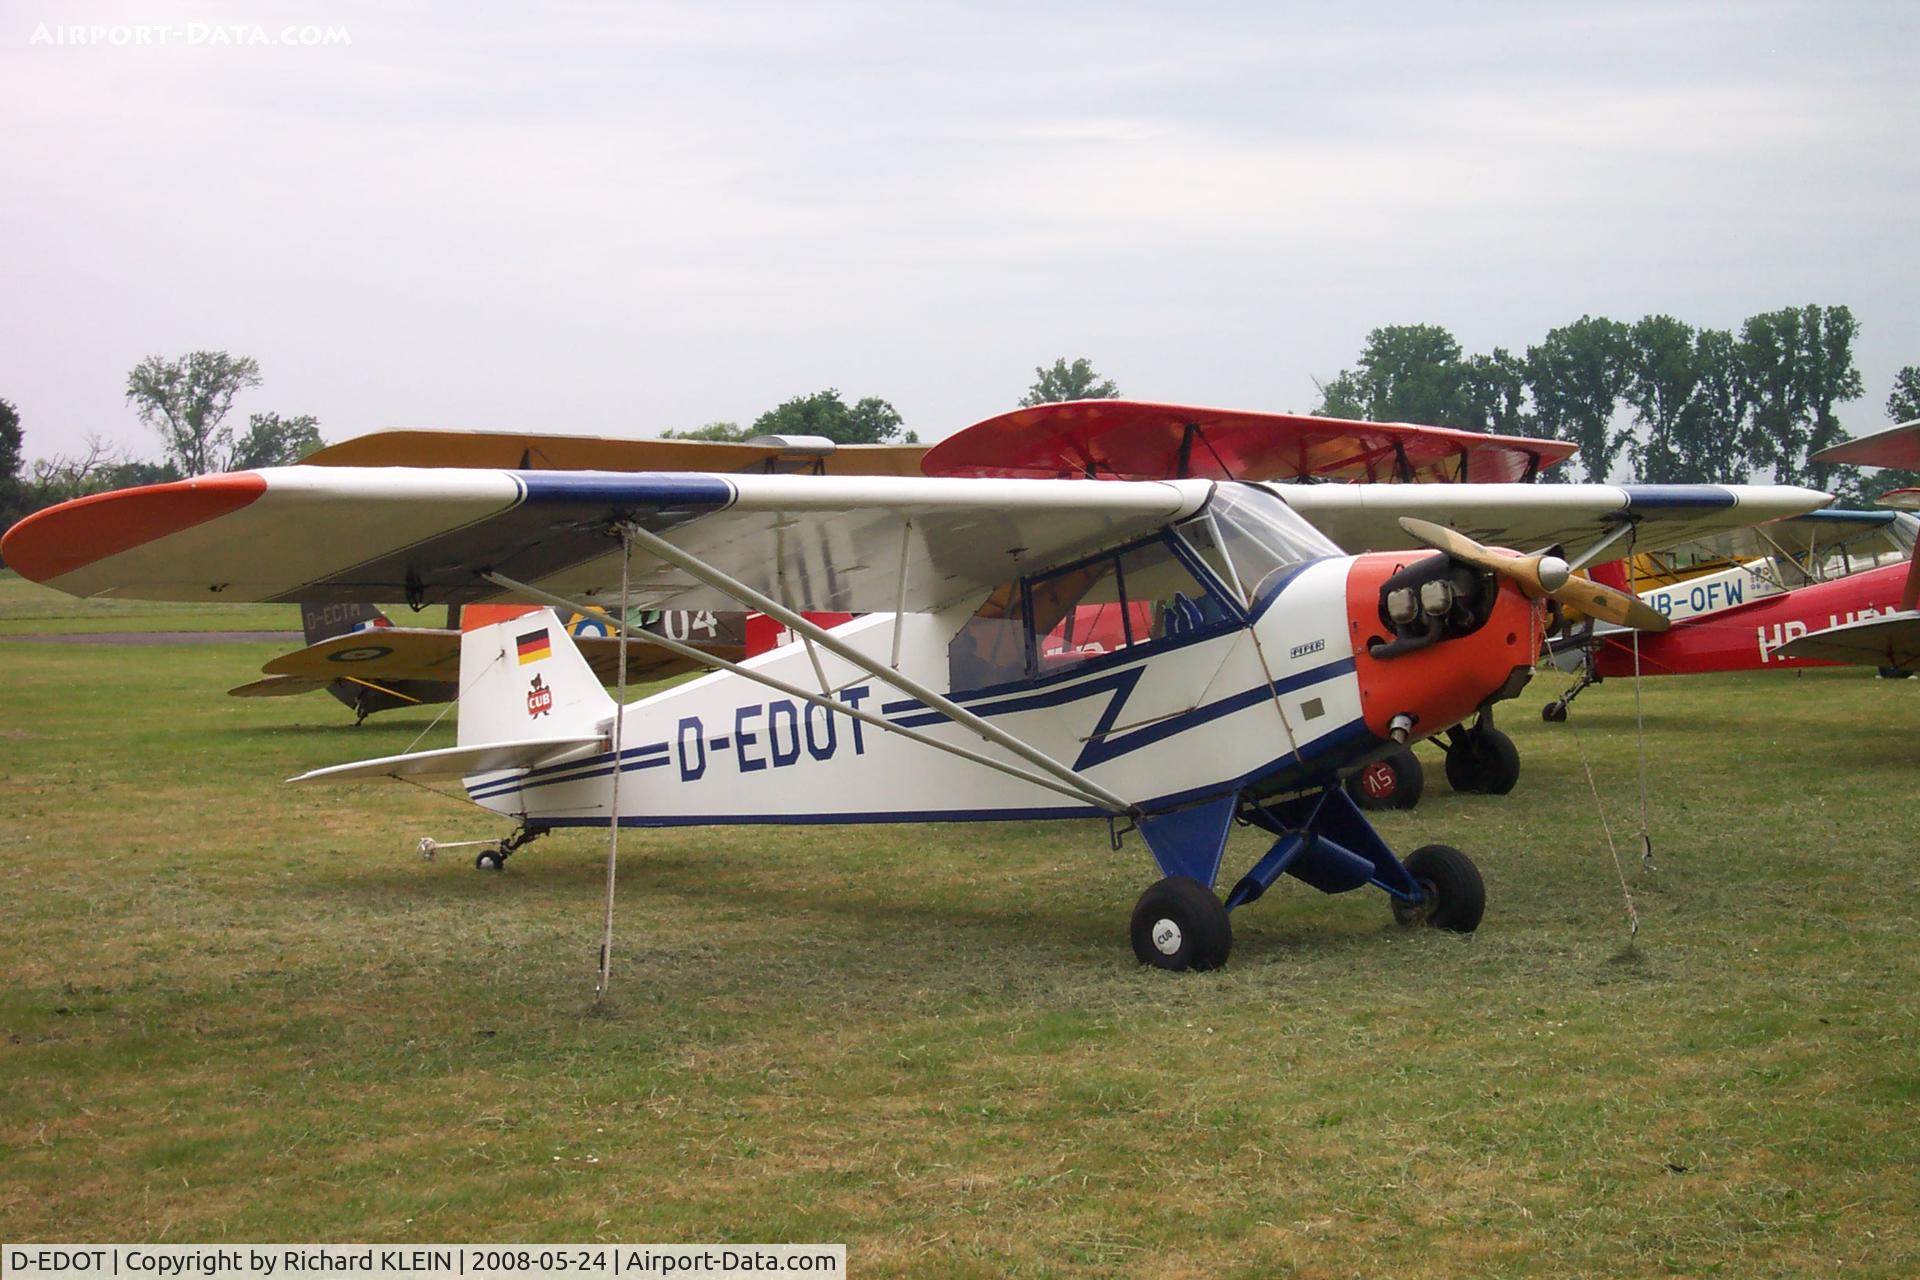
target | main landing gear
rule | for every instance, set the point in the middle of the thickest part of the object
(1481, 760)
(1555, 712)
(1322, 839)
(1391, 782)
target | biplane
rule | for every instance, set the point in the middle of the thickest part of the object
(1255, 661)
(1890, 638)
(1737, 600)
(357, 654)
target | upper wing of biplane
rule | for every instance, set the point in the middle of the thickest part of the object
(1133, 440)
(527, 451)
(1897, 447)
(1528, 517)
(853, 543)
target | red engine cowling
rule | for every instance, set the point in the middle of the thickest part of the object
(1446, 682)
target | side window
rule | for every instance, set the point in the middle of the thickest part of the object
(992, 647)
(1078, 614)
(1098, 607)
(1164, 599)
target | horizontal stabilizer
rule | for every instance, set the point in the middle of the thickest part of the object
(457, 762)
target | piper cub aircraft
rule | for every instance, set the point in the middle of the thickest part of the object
(1253, 664)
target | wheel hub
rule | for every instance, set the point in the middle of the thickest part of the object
(1166, 937)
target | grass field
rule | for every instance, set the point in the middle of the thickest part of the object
(237, 1010)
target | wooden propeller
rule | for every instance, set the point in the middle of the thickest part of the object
(1541, 575)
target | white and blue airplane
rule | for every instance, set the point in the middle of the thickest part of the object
(1168, 655)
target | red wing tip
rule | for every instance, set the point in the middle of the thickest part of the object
(51, 543)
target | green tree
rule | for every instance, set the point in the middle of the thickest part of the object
(1903, 405)
(12, 490)
(724, 432)
(1494, 388)
(1797, 363)
(1903, 402)
(1406, 373)
(274, 441)
(1076, 381)
(1710, 438)
(1662, 377)
(824, 413)
(1342, 397)
(1576, 376)
(187, 401)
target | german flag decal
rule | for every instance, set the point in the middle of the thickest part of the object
(534, 646)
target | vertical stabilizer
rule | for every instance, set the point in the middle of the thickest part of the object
(523, 678)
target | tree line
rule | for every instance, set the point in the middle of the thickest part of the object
(1658, 399)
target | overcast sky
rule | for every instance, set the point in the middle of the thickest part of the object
(616, 218)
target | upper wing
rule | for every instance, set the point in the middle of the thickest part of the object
(1895, 447)
(1133, 440)
(820, 543)
(1810, 538)
(1525, 517)
(527, 451)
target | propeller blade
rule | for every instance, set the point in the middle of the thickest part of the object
(1541, 575)
(1605, 603)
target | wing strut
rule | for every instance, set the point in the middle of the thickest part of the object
(1096, 798)
(801, 625)
(613, 803)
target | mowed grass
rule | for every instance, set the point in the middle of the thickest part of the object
(238, 1010)
(27, 608)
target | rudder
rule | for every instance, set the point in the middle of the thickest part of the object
(523, 678)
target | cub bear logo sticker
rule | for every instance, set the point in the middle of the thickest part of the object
(539, 699)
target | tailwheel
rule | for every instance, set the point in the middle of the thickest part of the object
(1394, 782)
(1455, 898)
(1179, 924)
(1482, 761)
(489, 860)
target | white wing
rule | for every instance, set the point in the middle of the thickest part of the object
(1365, 517)
(325, 534)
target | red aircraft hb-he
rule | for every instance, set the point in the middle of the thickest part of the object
(1256, 661)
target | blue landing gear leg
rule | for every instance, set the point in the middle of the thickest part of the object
(1326, 841)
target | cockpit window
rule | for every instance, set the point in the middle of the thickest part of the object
(1258, 533)
(1142, 595)
(992, 647)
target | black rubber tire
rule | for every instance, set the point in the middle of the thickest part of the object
(1393, 782)
(488, 860)
(1484, 763)
(1204, 934)
(1456, 896)
(1554, 713)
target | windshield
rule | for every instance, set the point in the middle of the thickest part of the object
(1246, 533)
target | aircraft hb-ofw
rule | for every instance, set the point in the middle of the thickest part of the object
(1247, 663)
